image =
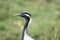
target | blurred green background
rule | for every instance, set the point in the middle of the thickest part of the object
(45, 19)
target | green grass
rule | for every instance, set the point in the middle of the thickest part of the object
(45, 19)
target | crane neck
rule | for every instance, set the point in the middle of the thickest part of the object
(25, 27)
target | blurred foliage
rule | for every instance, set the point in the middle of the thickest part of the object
(45, 15)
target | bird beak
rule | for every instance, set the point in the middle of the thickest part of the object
(18, 15)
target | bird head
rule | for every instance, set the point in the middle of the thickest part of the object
(25, 15)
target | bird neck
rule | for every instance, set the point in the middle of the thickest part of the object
(25, 28)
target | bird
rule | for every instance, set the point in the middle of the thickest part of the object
(27, 17)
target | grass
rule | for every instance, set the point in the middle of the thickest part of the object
(45, 19)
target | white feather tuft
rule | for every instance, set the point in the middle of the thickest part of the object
(27, 15)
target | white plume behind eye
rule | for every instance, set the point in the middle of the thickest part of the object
(29, 17)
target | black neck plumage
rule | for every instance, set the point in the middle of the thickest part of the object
(25, 28)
